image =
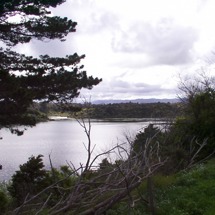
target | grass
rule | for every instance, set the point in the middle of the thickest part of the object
(190, 192)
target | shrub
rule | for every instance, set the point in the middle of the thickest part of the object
(29, 180)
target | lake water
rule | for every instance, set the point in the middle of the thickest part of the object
(63, 140)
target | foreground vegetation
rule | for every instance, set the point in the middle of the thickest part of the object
(189, 192)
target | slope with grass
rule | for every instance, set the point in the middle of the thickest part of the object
(190, 192)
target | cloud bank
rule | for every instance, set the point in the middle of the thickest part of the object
(138, 47)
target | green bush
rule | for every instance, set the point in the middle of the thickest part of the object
(33, 178)
(29, 180)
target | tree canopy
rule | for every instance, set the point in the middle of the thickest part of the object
(24, 79)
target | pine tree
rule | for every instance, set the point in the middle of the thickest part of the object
(25, 79)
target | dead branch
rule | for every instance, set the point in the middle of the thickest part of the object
(101, 192)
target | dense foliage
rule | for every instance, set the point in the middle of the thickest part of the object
(135, 110)
(24, 79)
(29, 179)
(33, 178)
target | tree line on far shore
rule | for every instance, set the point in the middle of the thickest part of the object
(116, 110)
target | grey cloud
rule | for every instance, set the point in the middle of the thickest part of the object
(143, 85)
(147, 89)
(117, 89)
(165, 43)
(119, 84)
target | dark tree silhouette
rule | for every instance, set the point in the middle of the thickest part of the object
(24, 79)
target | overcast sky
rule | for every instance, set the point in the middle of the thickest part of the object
(138, 47)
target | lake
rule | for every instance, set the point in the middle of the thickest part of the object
(63, 140)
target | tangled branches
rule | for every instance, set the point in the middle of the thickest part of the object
(96, 191)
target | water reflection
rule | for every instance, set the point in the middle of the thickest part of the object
(63, 140)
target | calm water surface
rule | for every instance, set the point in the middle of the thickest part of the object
(62, 140)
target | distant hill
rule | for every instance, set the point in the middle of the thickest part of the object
(151, 100)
